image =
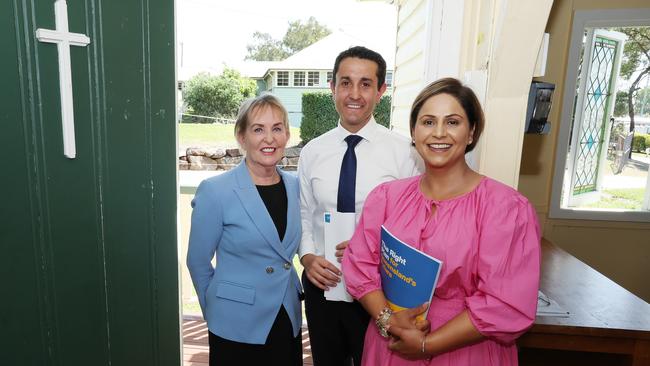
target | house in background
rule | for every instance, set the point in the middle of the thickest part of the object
(310, 70)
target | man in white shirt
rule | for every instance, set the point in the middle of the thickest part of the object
(337, 328)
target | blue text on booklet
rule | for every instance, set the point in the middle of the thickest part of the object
(408, 275)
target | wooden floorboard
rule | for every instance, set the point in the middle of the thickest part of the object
(195, 343)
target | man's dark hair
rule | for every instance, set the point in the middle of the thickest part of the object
(364, 54)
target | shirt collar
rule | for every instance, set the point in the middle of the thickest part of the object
(367, 132)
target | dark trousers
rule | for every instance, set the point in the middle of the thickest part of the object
(281, 347)
(336, 328)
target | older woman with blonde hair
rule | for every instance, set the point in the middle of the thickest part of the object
(249, 219)
(485, 233)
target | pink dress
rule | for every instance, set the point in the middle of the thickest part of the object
(489, 242)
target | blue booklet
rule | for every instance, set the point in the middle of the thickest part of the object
(408, 275)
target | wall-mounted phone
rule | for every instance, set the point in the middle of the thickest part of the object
(539, 106)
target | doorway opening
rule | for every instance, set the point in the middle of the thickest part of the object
(268, 47)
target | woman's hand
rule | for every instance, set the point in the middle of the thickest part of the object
(340, 249)
(407, 343)
(408, 319)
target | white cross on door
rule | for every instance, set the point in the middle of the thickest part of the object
(64, 39)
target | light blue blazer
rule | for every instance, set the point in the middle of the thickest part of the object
(254, 275)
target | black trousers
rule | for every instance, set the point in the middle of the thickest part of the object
(336, 328)
(281, 347)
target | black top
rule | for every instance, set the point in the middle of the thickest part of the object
(275, 200)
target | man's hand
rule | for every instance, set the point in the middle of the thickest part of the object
(340, 249)
(321, 272)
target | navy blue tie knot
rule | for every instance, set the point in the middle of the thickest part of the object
(348, 176)
(352, 141)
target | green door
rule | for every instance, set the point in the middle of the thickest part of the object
(88, 256)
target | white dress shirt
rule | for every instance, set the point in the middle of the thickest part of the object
(382, 156)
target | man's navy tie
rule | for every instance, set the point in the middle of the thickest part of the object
(348, 177)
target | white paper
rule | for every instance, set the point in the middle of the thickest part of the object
(549, 307)
(338, 227)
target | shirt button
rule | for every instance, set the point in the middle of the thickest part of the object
(269, 269)
(287, 266)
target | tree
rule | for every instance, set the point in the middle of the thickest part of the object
(620, 105)
(298, 36)
(642, 104)
(636, 63)
(265, 48)
(218, 96)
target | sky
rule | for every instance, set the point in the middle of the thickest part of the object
(210, 33)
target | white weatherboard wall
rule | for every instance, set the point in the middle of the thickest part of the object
(409, 60)
(490, 44)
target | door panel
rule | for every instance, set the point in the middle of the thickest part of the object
(89, 244)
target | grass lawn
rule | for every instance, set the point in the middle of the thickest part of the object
(216, 135)
(630, 199)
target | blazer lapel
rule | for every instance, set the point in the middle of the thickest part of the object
(256, 210)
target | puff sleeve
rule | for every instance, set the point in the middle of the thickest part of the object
(508, 264)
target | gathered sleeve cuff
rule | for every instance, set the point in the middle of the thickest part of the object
(360, 264)
(509, 255)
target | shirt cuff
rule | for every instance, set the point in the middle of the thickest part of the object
(306, 248)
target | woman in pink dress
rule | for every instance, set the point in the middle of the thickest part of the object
(485, 233)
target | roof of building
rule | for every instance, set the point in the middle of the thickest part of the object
(320, 55)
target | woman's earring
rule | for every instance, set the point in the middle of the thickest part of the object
(412, 142)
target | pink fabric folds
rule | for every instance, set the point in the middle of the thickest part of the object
(489, 242)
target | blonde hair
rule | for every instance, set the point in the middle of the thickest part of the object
(249, 106)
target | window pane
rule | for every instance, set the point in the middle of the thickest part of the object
(607, 161)
(329, 76)
(313, 78)
(389, 79)
(298, 78)
(283, 78)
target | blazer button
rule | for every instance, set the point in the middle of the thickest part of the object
(269, 269)
(287, 266)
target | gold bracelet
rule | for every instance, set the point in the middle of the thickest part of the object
(382, 321)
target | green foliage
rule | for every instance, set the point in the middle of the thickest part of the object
(301, 35)
(298, 36)
(636, 64)
(642, 102)
(319, 114)
(382, 111)
(640, 142)
(265, 48)
(635, 50)
(620, 105)
(218, 96)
